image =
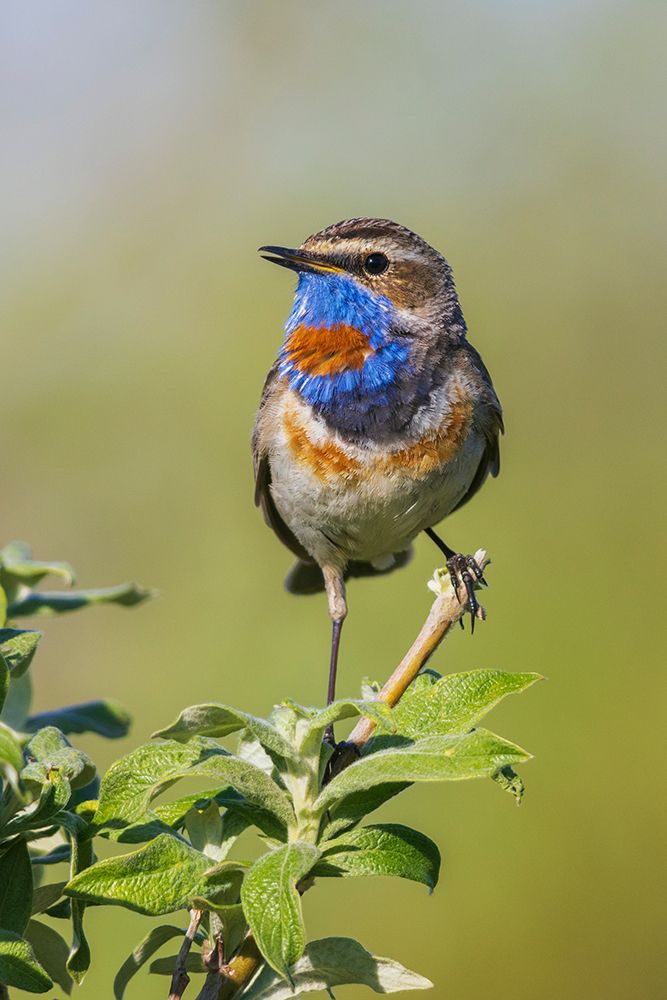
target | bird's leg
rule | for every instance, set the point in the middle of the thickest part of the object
(463, 572)
(335, 590)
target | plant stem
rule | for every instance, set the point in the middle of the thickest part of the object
(445, 612)
(180, 978)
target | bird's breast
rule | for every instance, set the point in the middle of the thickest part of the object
(329, 458)
(368, 498)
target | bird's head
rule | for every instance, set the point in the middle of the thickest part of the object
(370, 293)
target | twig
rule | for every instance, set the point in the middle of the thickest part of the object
(445, 612)
(180, 978)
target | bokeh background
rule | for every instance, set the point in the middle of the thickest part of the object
(148, 149)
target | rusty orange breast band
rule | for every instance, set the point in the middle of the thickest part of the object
(328, 460)
(327, 350)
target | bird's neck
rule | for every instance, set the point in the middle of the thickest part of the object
(345, 355)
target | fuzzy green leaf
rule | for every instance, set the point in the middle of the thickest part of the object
(106, 718)
(456, 702)
(16, 562)
(133, 781)
(352, 808)
(204, 828)
(219, 721)
(154, 940)
(4, 681)
(17, 702)
(510, 782)
(17, 648)
(56, 602)
(272, 904)
(10, 748)
(15, 887)
(382, 849)
(78, 960)
(436, 758)
(174, 813)
(159, 878)
(336, 961)
(349, 708)
(44, 896)
(51, 950)
(19, 966)
(53, 796)
(50, 751)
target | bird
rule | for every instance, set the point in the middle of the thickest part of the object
(377, 418)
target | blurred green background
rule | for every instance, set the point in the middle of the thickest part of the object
(148, 149)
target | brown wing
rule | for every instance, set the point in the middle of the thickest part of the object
(489, 418)
(262, 465)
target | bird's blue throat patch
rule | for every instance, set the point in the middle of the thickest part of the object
(339, 351)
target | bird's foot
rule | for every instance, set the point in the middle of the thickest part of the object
(465, 573)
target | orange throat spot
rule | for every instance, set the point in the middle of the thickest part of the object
(327, 351)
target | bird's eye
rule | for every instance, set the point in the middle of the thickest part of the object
(376, 263)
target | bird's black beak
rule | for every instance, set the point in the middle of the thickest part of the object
(299, 260)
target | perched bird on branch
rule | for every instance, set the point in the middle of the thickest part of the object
(377, 419)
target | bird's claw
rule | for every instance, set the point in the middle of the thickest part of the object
(464, 573)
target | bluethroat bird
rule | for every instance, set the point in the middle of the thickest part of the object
(377, 419)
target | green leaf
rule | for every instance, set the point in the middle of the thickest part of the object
(3, 605)
(4, 680)
(132, 782)
(349, 708)
(15, 887)
(352, 808)
(272, 904)
(204, 828)
(44, 896)
(239, 810)
(19, 966)
(336, 961)
(219, 721)
(154, 940)
(49, 751)
(456, 702)
(10, 748)
(78, 961)
(17, 648)
(53, 796)
(18, 701)
(106, 718)
(159, 878)
(16, 562)
(436, 758)
(510, 782)
(56, 602)
(51, 950)
(383, 849)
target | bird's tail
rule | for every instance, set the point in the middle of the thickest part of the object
(306, 577)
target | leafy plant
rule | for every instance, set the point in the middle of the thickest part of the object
(308, 803)
(246, 918)
(42, 780)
